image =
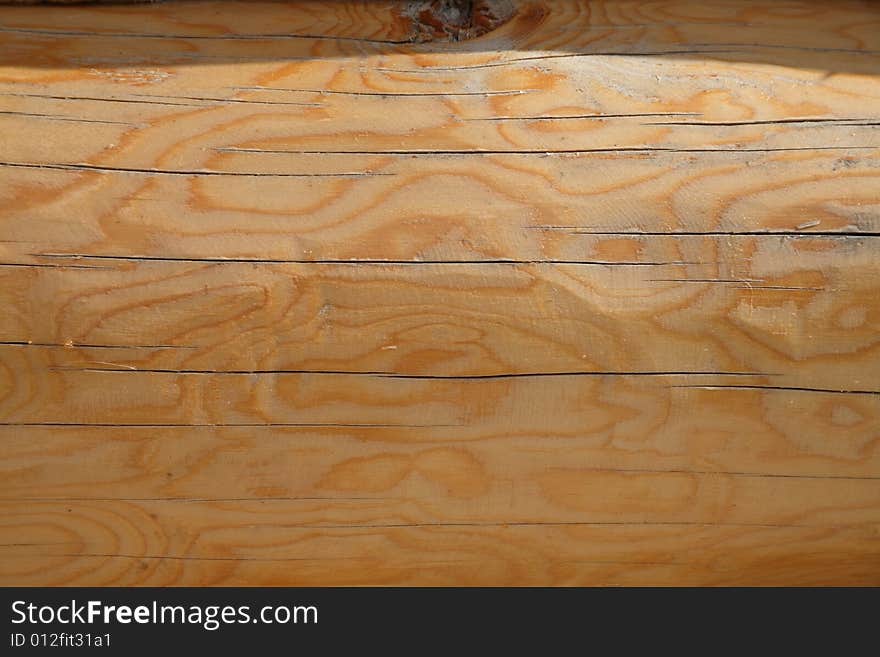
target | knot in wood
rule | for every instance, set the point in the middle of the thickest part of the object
(457, 20)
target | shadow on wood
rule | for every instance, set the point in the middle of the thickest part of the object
(810, 34)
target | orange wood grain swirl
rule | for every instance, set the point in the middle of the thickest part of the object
(591, 299)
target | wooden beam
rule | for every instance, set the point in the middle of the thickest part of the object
(315, 293)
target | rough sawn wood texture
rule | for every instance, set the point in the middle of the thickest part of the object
(342, 292)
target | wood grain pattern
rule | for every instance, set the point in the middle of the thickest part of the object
(292, 296)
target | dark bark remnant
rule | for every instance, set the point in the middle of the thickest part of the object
(456, 20)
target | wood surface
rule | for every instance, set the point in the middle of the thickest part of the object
(324, 293)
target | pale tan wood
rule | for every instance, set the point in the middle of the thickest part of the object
(256, 544)
(527, 555)
(590, 299)
(750, 312)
